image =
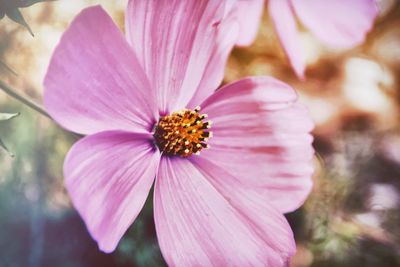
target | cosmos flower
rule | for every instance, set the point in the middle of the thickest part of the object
(220, 188)
(337, 23)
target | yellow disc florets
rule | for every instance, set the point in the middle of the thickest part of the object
(182, 133)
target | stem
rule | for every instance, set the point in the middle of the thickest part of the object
(8, 68)
(11, 92)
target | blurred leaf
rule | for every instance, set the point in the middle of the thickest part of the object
(7, 116)
(27, 3)
(2, 145)
(11, 9)
(13, 4)
(16, 16)
(4, 117)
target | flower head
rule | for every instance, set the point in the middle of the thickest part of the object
(338, 23)
(137, 101)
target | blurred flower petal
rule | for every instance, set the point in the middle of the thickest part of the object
(268, 149)
(286, 28)
(108, 177)
(214, 73)
(249, 14)
(339, 23)
(94, 81)
(175, 42)
(198, 226)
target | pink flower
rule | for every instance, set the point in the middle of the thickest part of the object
(337, 23)
(136, 102)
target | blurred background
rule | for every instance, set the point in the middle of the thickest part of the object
(352, 217)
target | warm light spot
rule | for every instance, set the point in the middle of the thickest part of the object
(182, 133)
(362, 86)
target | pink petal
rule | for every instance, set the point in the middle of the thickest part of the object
(108, 176)
(94, 81)
(176, 43)
(249, 13)
(198, 226)
(214, 73)
(339, 23)
(261, 134)
(286, 28)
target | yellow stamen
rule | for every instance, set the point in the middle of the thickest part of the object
(182, 133)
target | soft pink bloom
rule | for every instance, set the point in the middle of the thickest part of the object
(223, 207)
(337, 23)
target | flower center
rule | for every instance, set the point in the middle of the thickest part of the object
(182, 133)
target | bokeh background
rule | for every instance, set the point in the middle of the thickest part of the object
(352, 217)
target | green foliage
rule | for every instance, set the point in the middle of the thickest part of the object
(15, 15)
(11, 9)
(27, 3)
(5, 117)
